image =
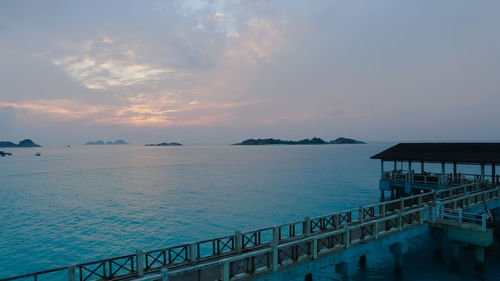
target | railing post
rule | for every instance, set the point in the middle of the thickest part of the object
(360, 214)
(459, 214)
(420, 201)
(238, 241)
(347, 236)
(315, 249)
(71, 273)
(274, 247)
(307, 226)
(193, 252)
(382, 212)
(376, 230)
(422, 212)
(483, 222)
(438, 210)
(402, 208)
(433, 215)
(225, 271)
(400, 221)
(140, 262)
(276, 234)
(336, 221)
(164, 274)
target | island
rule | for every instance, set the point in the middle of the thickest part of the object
(343, 140)
(100, 142)
(313, 141)
(23, 143)
(3, 153)
(278, 141)
(165, 144)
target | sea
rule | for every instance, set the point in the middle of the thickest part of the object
(83, 203)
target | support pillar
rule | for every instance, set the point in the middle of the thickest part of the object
(443, 170)
(479, 259)
(397, 251)
(274, 247)
(362, 261)
(410, 174)
(455, 256)
(437, 236)
(493, 175)
(347, 269)
(225, 270)
(164, 274)
(482, 173)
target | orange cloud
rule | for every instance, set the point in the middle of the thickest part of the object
(67, 108)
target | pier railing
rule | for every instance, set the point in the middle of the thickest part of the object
(329, 231)
(437, 178)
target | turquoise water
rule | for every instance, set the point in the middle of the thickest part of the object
(89, 202)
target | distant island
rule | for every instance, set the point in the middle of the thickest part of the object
(23, 143)
(314, 141)
(3, 153)
(343, 140)
(165, 144)
(100, 142)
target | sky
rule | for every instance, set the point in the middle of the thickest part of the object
(217, 71)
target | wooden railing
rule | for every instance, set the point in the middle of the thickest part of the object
(367, 222)
(437, 178)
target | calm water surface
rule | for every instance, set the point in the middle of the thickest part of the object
(89, 202)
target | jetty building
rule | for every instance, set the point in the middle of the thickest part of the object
(420, 167)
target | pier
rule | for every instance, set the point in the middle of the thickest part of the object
(448, 207)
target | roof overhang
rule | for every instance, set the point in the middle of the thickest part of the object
(464, 153)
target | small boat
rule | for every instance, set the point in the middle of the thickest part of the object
(38, 154)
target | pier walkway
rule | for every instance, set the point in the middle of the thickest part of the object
(296, 247)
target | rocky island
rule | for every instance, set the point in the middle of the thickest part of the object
(23, 143)
(165, 144)
(3, 153)
(343, 140)
(314, 141)
(278, 141)
(100, 142)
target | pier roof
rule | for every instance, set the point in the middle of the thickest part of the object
(467, 153)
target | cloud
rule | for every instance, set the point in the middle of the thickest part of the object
(258, 42)
(65, 107)
(103, 64)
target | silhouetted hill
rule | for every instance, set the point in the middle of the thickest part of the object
(278, 141)
(343, 140)
(100, 142)
(165, 144)
(23, 143)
